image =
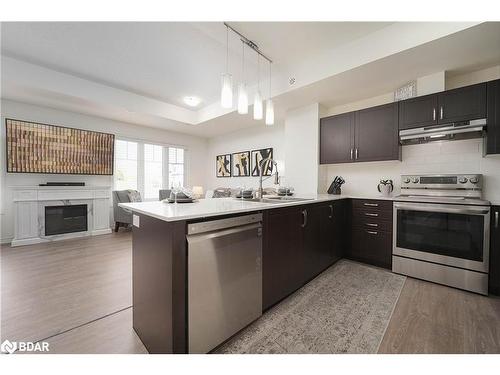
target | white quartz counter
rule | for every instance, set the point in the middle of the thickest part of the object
(220, 206)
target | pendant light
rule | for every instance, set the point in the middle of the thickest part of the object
(257, 99)
(242, 90)
(226, 95)
(269, 103)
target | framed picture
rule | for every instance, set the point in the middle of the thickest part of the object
(257, 156)
(223, 165)
(240, 162)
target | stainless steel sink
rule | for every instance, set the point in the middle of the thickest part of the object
(275, 199)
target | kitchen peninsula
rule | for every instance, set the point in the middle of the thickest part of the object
(275, 246)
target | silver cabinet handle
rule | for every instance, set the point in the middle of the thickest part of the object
(369, 214)
(496, 219)
(331, 211)
(371, 204)
(356, 157)
(304, 216)
(371, 232)
(371, 225)
(351, 153)
(441, 113)
(434, 114)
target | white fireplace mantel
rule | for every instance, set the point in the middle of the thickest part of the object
(30, 203)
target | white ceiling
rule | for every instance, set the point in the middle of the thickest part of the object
(168, 60)
(139, 72)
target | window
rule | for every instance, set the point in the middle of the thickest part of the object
(126, 165)
(148, 167)
(153, 170)
(175, 167)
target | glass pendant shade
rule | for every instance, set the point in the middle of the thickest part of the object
(226, 95)
(242, 99)
(257, 106)
(269, 112)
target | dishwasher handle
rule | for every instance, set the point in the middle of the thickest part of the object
(225, 232)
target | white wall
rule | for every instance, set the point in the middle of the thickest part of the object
(437, 157)
(244, 140)
(195, 156)
(302, 148)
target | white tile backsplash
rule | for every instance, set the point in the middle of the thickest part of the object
(465, 156)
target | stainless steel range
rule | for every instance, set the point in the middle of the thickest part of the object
(441, 230)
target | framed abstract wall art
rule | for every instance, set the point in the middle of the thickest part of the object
(223, 165)
(257, 156)
(240, 162)
(41, 148)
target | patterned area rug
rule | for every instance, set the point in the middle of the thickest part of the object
(346, 309)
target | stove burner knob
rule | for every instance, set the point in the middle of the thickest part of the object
(463, 180)
(474, 180)
(415, 180)
(406, 180)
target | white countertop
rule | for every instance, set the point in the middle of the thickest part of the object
(220, 206)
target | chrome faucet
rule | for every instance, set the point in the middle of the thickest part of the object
(260, 191)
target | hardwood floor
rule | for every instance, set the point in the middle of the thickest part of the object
(431, 318)
(54, 287)
(77, 295)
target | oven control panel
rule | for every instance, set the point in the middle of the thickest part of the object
(448, 181)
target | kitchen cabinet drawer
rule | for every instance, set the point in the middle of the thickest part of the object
(373, 215)
(369, 223)
(372, 246)
(372, 204)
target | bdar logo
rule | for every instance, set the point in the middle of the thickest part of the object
(8, 347)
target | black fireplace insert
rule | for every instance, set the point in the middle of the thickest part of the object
(65, 219)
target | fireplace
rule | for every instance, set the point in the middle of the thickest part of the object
(65, 219)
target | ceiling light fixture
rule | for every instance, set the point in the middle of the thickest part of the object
(257, 99)
(269, 103)
(226, 95)
(242, 90)
(227, 92)
(192, 101)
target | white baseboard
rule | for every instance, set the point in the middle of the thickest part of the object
(59, 237)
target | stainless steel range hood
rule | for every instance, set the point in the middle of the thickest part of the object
(453, 131)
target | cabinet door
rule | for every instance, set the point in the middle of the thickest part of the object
(465, 103)
(337, 139)
(282, 254)
(494, 282)
(418, 112)
(493, 118)
(376, 136)
(338, 231)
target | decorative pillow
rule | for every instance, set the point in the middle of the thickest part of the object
(134, 196)
(222, 193)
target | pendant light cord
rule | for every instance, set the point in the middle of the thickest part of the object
(243, 61)
(269, 80)
(227, 49)
(258, 72)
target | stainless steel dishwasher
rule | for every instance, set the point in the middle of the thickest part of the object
(224, 279)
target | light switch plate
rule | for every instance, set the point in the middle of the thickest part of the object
(135, 221)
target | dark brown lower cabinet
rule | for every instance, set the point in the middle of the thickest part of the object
(282, 254)
(494, 279)
(371, 232)
(299, 243)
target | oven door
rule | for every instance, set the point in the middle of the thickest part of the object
(452, 235)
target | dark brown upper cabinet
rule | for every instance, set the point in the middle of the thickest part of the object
(493, 118)
(376, 134)
(462, 104)
(418, 112)
(337, 139)
(367, 135)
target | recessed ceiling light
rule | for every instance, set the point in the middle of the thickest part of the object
(192, 101)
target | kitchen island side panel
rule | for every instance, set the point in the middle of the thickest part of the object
(158, 283)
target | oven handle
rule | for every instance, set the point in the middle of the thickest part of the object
(441, 208)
